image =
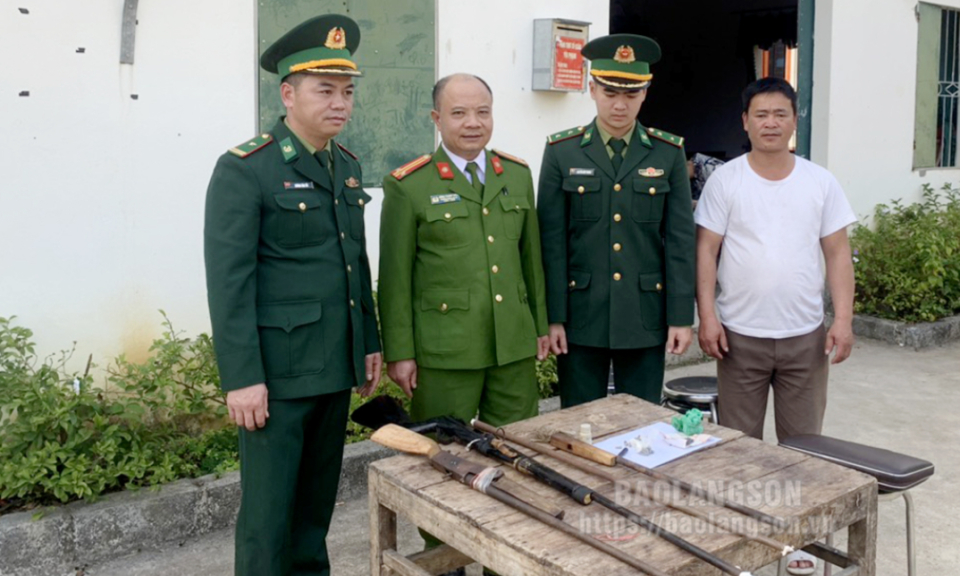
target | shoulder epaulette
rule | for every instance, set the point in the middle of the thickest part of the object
(510, 157)
(565, 134)
(666, 137)
(349, 153)
(251, 145)
(411, 167)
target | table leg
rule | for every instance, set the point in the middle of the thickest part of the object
(862, 538)
(383, 528)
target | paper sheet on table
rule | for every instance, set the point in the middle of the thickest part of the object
(662, 452)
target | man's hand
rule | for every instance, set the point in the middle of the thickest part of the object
(679, 339)
(713, 339)
(558, 339)
(840, 337)
(374, 365)
(248, 406)
(404, 373)
(543, 347)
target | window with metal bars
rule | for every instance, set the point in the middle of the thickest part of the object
(936, 141)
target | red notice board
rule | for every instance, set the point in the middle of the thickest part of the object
(568, 64)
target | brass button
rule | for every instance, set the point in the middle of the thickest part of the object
(516, 207)
(581, 189)
(352, 303)
(573, 283)
(495, 269)
(302, 206)
(617, 187)
(264, 135)
(349, 268)
(486, 211)
(616, 247)
(361, 202)
(447, 216)
(498, 298)
(336, 201)
(617, 276)
(490, 239)
(444, 307)
(343, 236)
(659, 286)
(652, 190)
(617, 217)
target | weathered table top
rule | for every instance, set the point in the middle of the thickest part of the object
(815, 497)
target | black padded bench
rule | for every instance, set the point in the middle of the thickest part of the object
(896, 473)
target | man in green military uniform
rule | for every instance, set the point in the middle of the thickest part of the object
(461, 281)
(291, 302)
(617, 233)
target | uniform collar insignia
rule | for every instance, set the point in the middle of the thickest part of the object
(497, 166)
(446, 173)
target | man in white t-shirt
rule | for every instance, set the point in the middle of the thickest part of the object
(774, 213)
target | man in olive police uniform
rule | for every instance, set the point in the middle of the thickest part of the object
(617, 233)
(290, 297)
(461, 280)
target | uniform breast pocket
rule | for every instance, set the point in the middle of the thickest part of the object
(356, 201)
(445, 225)
(299, 220)
(586, 201)
(515, 210)
(649, 196)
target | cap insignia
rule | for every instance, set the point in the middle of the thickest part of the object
(336, 39)
(625, 55)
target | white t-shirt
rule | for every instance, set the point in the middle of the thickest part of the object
(771, 281)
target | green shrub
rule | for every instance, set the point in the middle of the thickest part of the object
(61, 438)
(907, 266)
(547, 377)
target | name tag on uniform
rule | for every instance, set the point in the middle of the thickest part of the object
(298, 185)
(444, 198)
(582, 171)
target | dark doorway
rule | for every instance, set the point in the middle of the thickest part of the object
(709, 55)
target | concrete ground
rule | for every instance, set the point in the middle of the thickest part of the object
(884, 396)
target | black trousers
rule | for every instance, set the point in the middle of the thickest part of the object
(584, 371)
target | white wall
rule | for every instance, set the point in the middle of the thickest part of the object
(101, 200)
(864, 98)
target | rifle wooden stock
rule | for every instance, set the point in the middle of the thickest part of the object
(406, 441)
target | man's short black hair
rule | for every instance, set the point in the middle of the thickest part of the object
(769, 86)
(442, 83)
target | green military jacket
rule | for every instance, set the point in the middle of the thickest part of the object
(461, 279)
(288, 280)
(618, 248)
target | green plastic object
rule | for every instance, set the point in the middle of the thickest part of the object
(690, 423)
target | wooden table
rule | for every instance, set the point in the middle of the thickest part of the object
(815, 497)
